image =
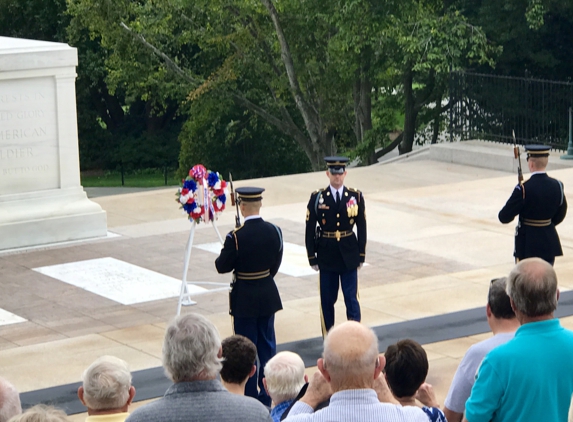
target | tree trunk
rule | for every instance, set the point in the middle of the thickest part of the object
(410, 114)
(320, 140)
(362, 94)
(436, 129)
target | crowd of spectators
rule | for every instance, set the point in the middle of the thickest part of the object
(523, 373)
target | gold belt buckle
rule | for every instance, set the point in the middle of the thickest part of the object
(337, 234)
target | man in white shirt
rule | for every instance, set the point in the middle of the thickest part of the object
(503, 324)
(348, 373)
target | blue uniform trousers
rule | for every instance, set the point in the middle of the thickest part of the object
(261, 331)
(329, 281)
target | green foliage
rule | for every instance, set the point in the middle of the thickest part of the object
(535, 35)
(437, 41)
(386, 119)
(34, 19)
(350, 72)
(216, 53)
(534, 14)
(227, 139)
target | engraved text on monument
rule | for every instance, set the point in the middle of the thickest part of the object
(29, 159)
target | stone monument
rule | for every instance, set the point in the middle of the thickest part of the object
(41, 198)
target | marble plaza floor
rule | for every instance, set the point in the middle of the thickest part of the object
(434, 242)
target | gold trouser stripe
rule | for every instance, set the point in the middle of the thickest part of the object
(333, 235)
(357, 290)
(322, 324)
(253, 276)
(536, 223)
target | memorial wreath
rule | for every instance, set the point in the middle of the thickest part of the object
(202, 194)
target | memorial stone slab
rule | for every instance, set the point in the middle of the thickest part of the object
(117, 280)
(294, 263)
(7, 318)
(41, 198)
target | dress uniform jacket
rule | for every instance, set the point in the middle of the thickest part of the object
(540, 209)
(254, 253)
(330, 251)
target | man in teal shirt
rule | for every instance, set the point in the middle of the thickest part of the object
(530, 378)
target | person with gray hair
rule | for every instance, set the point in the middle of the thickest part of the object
(106, 390)
(503, 323)
(348, 373)
(9, 401)
(41, 413)
(529, 378)
(284, 378)
(192, 356)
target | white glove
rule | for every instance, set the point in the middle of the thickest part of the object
(314, 267)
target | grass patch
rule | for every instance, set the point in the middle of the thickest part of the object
(148, 178)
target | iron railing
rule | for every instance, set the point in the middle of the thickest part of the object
(490, 107)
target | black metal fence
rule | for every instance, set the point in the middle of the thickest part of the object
(490, 107)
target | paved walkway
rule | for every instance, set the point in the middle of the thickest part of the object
(434, 243)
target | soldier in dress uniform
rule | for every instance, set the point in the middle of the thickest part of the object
(332, 246)
(541, 204)
(254, 253)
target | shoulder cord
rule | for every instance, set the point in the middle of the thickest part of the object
(280, 236)
(316, 203)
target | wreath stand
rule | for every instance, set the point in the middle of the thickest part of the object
(184, 295)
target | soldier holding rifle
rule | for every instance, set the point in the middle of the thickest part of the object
(253, 251)
(540, 203)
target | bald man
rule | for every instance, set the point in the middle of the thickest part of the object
(348, 373)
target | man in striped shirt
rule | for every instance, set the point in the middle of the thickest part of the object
(348, 373)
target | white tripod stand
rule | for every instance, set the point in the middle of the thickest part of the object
(185, 296)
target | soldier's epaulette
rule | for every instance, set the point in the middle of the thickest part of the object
(238, 228)
(317, 191)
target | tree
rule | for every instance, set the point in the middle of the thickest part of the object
(226, 138)
(534, 34)
(141, 119)
(309, 69)
(427, 42)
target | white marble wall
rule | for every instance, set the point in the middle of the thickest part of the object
(41, 198)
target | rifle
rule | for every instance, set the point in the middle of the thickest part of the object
(234, 202)
(517, 156)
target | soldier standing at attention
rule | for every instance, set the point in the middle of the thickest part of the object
(332, 246)
(254, 253)
(541, 205)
